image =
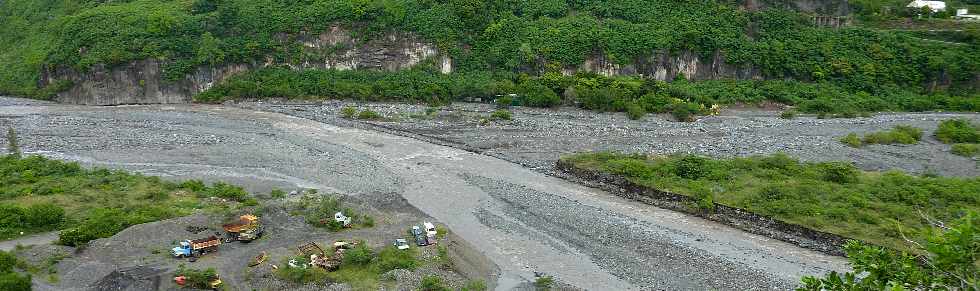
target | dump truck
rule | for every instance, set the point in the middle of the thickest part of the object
(194, 248)
(246, 229)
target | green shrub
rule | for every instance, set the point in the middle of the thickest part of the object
(544, 283)
(691, 167)
(368, 114)
(538, 95)
(966, 149)
(45, 215)
(193, 185)
(504, 102)
(7, 262)
(226, 191)
(391, 258)
(301, 275)
(635, 112)
(12, 147)
(839, 172)
(958, 130)
(433, 283)
(199, 279)
(11, 281)
(348, 112)
(501, 115)
(852, 140)
(475, 285)
(359, 255)
(12, 216)
(277, 194)
(684, 112)
(788, 114)
(949, 262)
(102, 223)
(901, 134)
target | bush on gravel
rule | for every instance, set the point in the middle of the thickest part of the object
(39, 194)
(958, 130)
(501, 114)
(319, 210)
(835, 197)
(433, 283)
(901, 134)
(199, 279)
(966, 149)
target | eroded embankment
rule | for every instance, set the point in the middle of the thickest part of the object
(736, 217)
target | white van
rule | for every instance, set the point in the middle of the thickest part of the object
(430, 229)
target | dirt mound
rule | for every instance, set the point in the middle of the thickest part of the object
(137, 278)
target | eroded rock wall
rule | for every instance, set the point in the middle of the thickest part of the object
(666, 66)
(143, 82)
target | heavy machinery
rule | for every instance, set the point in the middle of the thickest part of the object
(319, 258)
(195, 248)
(246, 229)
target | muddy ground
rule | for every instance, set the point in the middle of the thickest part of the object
(523, 221)
(537, 137)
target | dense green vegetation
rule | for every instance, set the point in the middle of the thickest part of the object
(589, 91)
(901, 134)
(966, 149)
(319, 210)
(948, 260)
(199, 279)
(362, 267)
(482, 36)
(38, 194)
(10, 280)
(958, 130)
(963, 134)
(835, 197)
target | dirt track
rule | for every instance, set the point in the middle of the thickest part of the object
(523, 220)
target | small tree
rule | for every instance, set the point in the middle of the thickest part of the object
(12, 147)
(948, 262)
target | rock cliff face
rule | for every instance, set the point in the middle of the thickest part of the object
(665, 66)
(143, 82)
(821, 7)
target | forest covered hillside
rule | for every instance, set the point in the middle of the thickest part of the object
(507, 41)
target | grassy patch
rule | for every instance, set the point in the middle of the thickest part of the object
(501, 114)
(901, 134)
(319, 210)
(39, 194)
(876, 207)
(966, 149)
(958, 130)
(362, 268)
(9, 278)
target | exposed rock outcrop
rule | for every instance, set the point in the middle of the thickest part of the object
(666, 66)
(143, 82)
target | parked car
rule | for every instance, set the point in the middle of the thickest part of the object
(420, 238)
(401, 244)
